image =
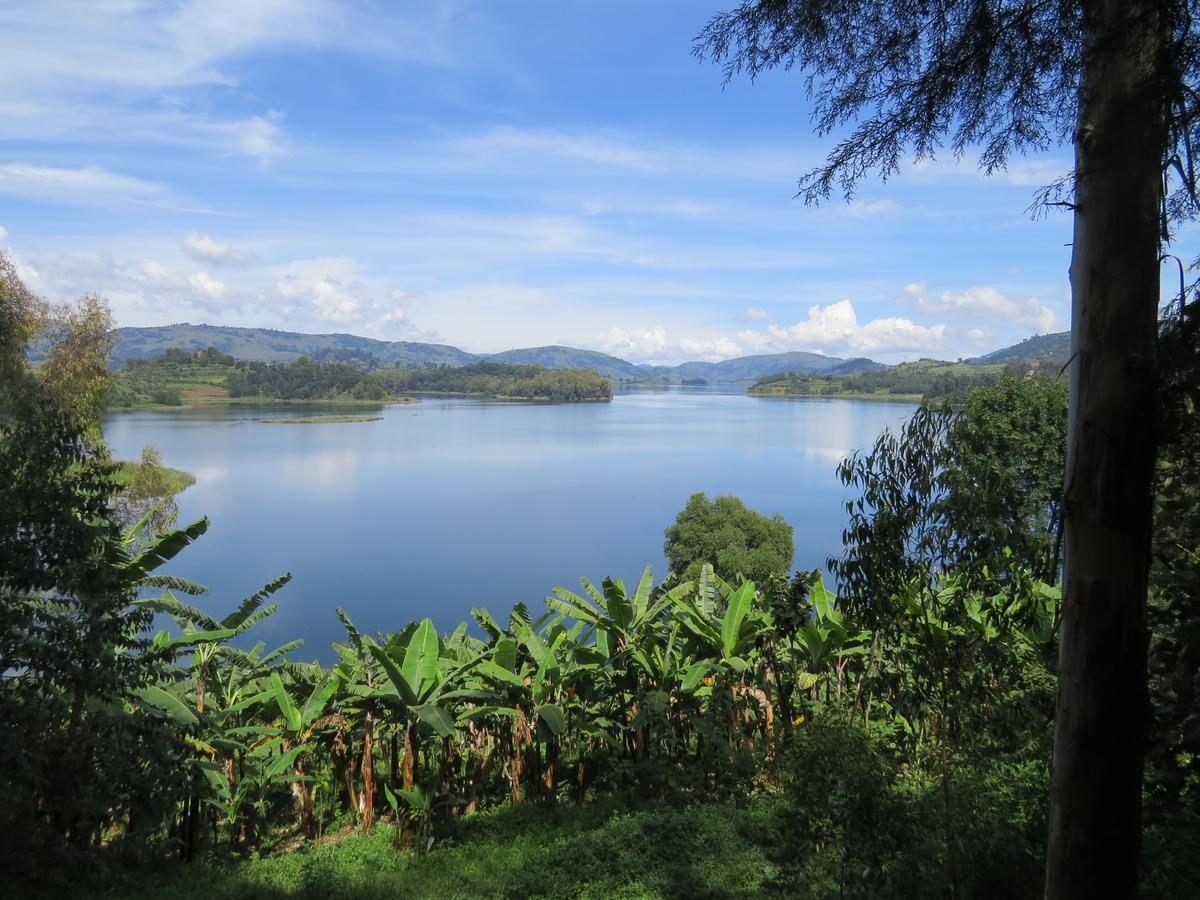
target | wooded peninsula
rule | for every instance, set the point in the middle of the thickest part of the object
(179, 377)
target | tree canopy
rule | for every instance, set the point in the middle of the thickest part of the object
(72, 649)
(734, 540)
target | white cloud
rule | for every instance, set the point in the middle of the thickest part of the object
(206, 248)
(859, 209)
(635, 343)
(835, 329)
(593, 148)
(87, 186)
(258, 136)
(653, 345)
(1037, 172)
(985, 302)
(334, 289)
(331, 287)
(156, 273)
(207, 285)
(752, 313)
(3, 233)
(114, 70)
(710, 349)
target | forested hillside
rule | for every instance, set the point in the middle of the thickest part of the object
(926, 378)
(270, 345)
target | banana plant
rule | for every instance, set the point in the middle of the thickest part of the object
(522, 676)
(825, 645)
(418, 810)
(361, 679)
(297, 724)
(207, 636)
(243, 802)
(727, 637)
(621, 622)
(419, 682)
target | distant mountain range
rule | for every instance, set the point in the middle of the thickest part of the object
(269, 345)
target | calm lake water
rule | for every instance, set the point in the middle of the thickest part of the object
(451, 503)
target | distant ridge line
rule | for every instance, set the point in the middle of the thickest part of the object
(276, 345)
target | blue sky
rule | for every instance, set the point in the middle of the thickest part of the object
(489, 175)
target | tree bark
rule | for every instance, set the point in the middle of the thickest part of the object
(410, 756)
(1095, 816)
(368, 769)
(308, 814)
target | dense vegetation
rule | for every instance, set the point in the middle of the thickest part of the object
(928, 379)
(706, 735)
(303, 379)
(179, 376)
(737, 542)
(171, 378)
(500, 380)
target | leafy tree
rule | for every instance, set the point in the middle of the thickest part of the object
(1175, 600)
(1008, 449)
(74, 751)
(897, 531)
(735, 540)
(1118, 78)
(975, 489)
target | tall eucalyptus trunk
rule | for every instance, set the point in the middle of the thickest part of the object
(1100, 732)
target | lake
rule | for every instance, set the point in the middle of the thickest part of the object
(453, 503)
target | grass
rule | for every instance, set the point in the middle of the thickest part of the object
(175, 480)
(319, 420)
(603, 850)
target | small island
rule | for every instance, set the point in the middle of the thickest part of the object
(318, 420)
(163, 479)
(500, 381)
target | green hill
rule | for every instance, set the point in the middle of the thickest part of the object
(269, 345)
(558, 357)
(745, 369)
(1049, 347)
(930, 378)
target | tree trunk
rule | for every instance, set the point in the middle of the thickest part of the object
(368, 766)
(393, 739)
(1095, 817)
(549, 770)
(410, 756)
(308, 816)
(517, 757)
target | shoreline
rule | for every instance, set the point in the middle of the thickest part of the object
(893, 398)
